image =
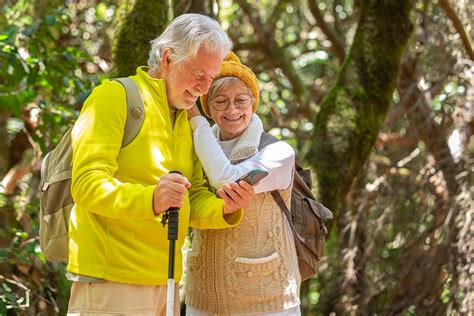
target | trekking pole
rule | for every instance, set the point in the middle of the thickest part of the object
(171, 217)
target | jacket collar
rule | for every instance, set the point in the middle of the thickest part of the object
(248, 142)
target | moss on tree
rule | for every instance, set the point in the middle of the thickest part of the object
(138, 22)
(354, 109)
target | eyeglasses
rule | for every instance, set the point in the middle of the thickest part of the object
(241, 101)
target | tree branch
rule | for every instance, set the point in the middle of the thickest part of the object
(277, 55)
(24, 167)
(458, 26)
(336, 17)
(251, 46)
(337, 45)
(279, 8)
(420, 117)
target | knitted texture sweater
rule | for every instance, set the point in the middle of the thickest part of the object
(249, 268)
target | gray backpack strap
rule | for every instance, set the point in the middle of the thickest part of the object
(266, 139)
(135, 110)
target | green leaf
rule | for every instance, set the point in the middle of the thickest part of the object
(8, 49)
(3, 308)
(31, 248)
(32, 29)
(51, 19)
(4, 252)
(22, 234)
(10, 297)
(12, 31)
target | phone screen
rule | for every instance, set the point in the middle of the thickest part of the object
(253, 176)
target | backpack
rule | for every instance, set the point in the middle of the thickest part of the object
(56, 171)
(307, 217)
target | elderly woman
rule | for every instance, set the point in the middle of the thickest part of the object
(251, 269)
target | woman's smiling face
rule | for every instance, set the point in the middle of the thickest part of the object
(231, 109)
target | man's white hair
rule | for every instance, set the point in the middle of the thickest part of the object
(185, 35)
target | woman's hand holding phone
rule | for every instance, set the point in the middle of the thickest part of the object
(252, 177)
(235, 196)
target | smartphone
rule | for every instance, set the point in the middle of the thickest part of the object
(253, 176)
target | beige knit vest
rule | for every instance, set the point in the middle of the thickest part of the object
(250, 268)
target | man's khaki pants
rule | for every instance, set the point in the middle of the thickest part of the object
(111, 298)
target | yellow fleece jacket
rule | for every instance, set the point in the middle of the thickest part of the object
(113, 232)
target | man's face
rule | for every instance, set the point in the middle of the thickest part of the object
(191, 78)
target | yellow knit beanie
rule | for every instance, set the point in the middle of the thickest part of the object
(231, 67)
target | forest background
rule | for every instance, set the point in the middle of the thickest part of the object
(375, 96)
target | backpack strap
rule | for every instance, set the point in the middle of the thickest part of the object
(279, 199)
(266, 139)
(135, 110)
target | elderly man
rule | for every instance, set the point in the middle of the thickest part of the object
(118, 249)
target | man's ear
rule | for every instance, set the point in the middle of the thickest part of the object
(165, 58)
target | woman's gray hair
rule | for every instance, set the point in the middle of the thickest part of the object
(184, 36)
(224, 83)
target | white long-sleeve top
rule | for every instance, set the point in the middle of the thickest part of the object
(277, 158)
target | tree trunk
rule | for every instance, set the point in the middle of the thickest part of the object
(139, 22)
(192, 6)
(355, 108)
(350, 118)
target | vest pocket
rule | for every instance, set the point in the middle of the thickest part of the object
(193, 272)
(259, 276)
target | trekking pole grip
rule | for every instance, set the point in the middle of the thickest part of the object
(173, 218)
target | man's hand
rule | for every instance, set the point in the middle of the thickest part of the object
(193, 111)
(169, 192)
(235, 196)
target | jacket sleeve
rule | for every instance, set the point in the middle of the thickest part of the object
(96, 141)
(206, 208)
(277, 158)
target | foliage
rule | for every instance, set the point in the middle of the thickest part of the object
(45, 65)
(48, 66)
